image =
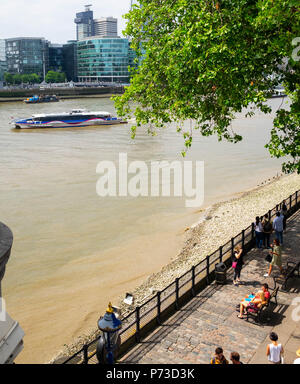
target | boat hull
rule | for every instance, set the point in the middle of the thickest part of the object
(64, 124)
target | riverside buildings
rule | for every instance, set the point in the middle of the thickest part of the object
(97, 54)
(104, 59)
(103, 56)
(27, 55)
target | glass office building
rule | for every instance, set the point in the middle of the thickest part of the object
(3, 64)
(56, 57)
(70, 60)
(104, 60)
(27, 55)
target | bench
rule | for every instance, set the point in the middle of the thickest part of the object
(257, 313)
(292, 266)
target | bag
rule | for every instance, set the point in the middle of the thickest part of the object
(269, 258)
(267, 227)
(234, 264)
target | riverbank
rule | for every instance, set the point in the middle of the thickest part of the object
(94, 96)
(7, 95)
(221, 222)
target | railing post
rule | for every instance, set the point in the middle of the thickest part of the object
(85, 354)
(158, 308)
(276, 207)
(137, 322)
(177, 292)
(193, 281)
(221, 254)
(232, 246)
(252, 231)
(290, 202)
(207, 269)
(243, 238)
(270, 214)
(296, 197)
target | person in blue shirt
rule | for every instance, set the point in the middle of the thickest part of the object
(278, 226)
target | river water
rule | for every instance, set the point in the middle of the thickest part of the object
(74, 251)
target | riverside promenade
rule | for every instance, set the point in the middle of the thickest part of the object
(210, 319)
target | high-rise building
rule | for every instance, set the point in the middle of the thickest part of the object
(103, 59)
(106, 27)
(27, 55)
(70, 60)
(84, 23)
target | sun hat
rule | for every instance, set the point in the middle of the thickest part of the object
(298, 352)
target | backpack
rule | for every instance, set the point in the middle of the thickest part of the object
(268, 226)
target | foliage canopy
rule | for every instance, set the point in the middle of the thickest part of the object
(206, 60)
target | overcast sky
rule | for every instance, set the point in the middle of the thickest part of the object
(53, 19)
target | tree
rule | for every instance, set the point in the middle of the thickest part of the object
(55, 77)
(208, 59)
(8, 78)
(17, 78)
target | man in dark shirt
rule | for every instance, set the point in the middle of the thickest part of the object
(235, 358)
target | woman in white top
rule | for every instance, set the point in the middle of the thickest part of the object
(274, 350)
(258, 232)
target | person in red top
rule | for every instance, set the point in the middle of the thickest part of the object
(255, 302)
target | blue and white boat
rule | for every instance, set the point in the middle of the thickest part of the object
(75, 118)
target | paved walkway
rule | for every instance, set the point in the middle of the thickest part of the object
(210, 319)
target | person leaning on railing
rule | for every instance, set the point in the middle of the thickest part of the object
(267, 231)
(255, 301)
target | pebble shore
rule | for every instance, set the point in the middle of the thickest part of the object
(221, 222)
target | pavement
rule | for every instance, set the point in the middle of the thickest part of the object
(210, 319)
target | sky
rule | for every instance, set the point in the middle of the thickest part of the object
(53, 19)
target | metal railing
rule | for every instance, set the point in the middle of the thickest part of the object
(164, 303)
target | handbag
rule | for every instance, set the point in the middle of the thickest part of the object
(269, 258)
(234, 264)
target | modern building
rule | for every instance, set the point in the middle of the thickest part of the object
(84, 23)
(2, 50)
(3, 63)
(103, 59)
(106, 27)
(27, 55)
(56, 59)
(70, 60)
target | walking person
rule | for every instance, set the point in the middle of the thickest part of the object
(237, 264)
(275, 350)
(267, 230)
(219, 357)
(276, 258)
(278, 227)
(258, 232)
(284, 211)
